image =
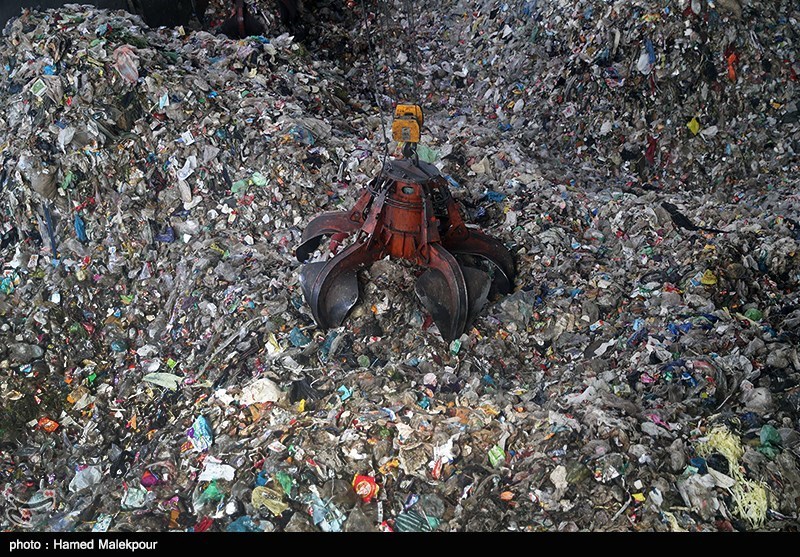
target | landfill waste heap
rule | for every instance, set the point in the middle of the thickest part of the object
(160, 369)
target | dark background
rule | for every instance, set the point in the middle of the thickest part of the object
(10, 8)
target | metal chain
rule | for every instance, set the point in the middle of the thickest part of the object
(412, 61)
(371, 77)
(387, 39)
(413, 57)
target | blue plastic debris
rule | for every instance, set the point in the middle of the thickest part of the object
(200, 434)
(687, 377)
(325, 514)
(301, 135)
(297, 338)
(80, 229)
(700, 464)
(327, 344)
(494, 196)
(638, 337)
(243, 524)
(451, 181)
(167, 236)
(651, 53)
(345, 393)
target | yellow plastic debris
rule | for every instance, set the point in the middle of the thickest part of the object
(750, 498)
(272, 345)
(269, 498)
(750, 501)
(694, 126)
(709, 278)
(721, 440)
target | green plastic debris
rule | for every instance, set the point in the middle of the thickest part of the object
(771, 441)
(39, 88)
(496, 455)
(427, 154)
(577, 472)
(412, 521)
(134, 498)
(67, 182)
(211, 493)
(286, 482)
(258, 179)
(753, 314)
(239, 185)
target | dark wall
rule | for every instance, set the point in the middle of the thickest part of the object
(11, 8)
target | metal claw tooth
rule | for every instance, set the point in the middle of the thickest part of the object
(479, 244)
(331, 287)
(325, 224)
(443, 291)
(478, 286)
(347, 295)
(432, 289)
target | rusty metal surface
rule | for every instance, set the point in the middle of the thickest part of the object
(407, 213)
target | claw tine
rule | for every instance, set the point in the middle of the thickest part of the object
(305, 249)
(478, 286)
(331, 287)
(443, 291)
(308, 277)
(479, 244)
(324, 225)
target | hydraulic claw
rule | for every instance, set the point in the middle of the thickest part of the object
(407, 212)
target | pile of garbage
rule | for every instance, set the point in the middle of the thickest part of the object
(160, 370)
(674, 95)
